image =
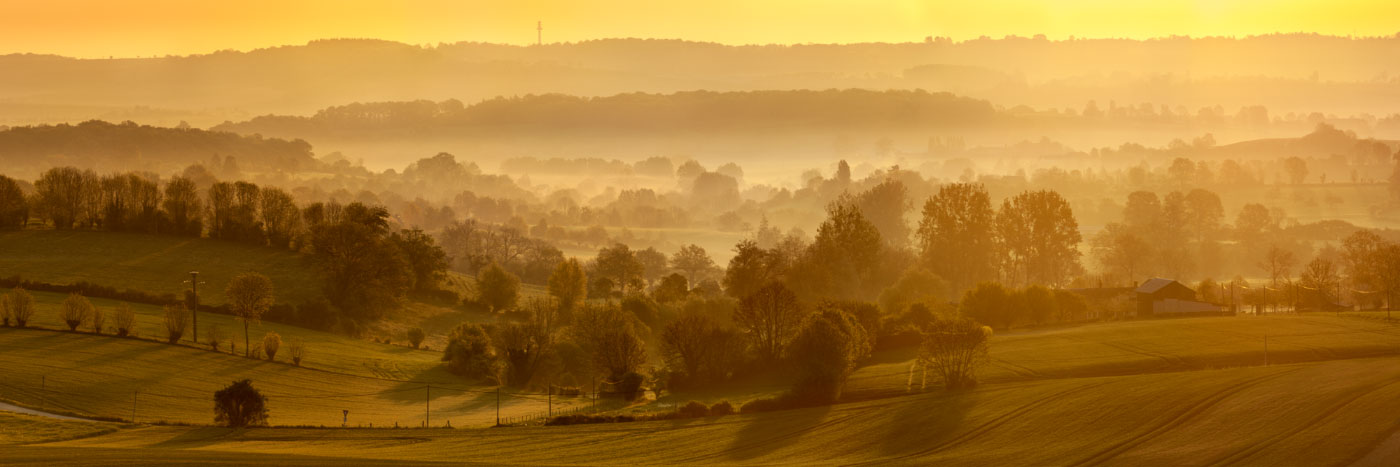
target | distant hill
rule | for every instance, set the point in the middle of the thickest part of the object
(127, 146)
(1291, 72)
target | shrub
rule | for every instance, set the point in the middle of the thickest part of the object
(469, 352)
(271, 342)
(721, 408)
(693, 409)
(240, 405)
(297, 349)
(256, 353)
(630, 385)
(587, 419)
(176, 320)
(98, 319)
(75, 311)
(20, 305)
(769, 404)
(825, 352)
(953, 348)
(125, 320)
(214, 335)
(415, 337)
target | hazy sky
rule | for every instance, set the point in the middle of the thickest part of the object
(99, 28)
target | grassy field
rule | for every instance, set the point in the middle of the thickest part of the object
(18, 428)
(151, 263)
(1276, 415)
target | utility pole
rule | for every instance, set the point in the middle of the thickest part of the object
(1266, 349)
(427, 406)
(133, 406)
(43, 388)
(194, 306)
(498, 406)
(539, 32)
(551, 400)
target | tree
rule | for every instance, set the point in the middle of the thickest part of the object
(1321, 279)
(1361, 254)
(844, 258)
(1253, 220)
(281, 219)
(1276, 264)
(469, 352)
(618, 264)
(1204, 213)
(1040, 236)
(62, 195)
(956, 235)
(1297, 169)
(699, 347)
(609, 337)
(692, 259)
(1120, 252)
(182, 207)
(916, 285)
(75, 311)
(1143, 212)
(770, 317)
(14, 209)
(415, 337)
(750, 268)
(988, 303)
(249, 296)
(497, 288)
(297, 350)
(954, 347)
(426, 261)
(365, 273)
(884, 206)
(569, 284)
(19, 305)
(176, 320)
(524, 346)
(672, 288)
(653, 264)
(240, 405)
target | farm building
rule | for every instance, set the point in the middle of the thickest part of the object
(1165, 298)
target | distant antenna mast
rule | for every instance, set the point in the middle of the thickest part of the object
(539, 32)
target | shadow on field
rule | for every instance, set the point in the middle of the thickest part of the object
(198, 437)
(934, 419)
(768, 432)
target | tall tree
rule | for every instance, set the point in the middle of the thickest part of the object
(14, 209)
(750, 268)
(1121, 252)
(182, 207)
(692, 259)
(249, 296)
(956, 235)
(770, 317)
(1276, 263)
(618, 264)
(844, 258)
(497, 288)
(281, 219)
(653, 264)
(61, 195)
(569, 284)
(1040, 236)
(427, 261)
(884, 206)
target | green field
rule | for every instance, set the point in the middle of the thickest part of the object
(156, 264)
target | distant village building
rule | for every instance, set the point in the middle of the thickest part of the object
(1158, 297)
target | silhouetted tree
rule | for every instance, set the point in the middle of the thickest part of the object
(826, 348)
(240, 405)
(884, 206)
(249, 296)
(653, 264)
(769, 317)
(76, 310)
(14, 208)
(427, 261)
(692, 259)
(1040, 236)
(954, 347)
(618, 264)
(750, 268)
(569, 285)
(469, 352)
(672, 288)
(989, 303)
(182, 207)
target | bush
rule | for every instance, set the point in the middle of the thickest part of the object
(469, 352)
(257, 353)
(587, 419)
(125, 320)
(825, 351)
(214, 334)
(98, 319)
(415, 337)
(271, 342)
(630, 385)
(693, 409)
(20, 306)
(176, 320)
(953, 348)
(240, 405)
(297, 349)
(721, 408)
(75, 310)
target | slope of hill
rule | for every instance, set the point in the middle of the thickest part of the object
(1256, 416)
(157, 264)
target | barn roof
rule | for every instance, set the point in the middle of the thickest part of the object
(1154, 284)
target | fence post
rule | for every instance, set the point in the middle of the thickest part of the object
(498, 406)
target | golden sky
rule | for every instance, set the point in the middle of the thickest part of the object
(99, 28)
